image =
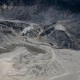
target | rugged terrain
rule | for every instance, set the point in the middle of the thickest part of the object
(29, 51)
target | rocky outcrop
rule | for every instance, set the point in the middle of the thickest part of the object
(63, 34)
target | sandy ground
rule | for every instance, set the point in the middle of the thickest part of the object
(23, 64)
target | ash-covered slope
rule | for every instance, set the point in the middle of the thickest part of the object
(10, 29)
(6, 35)
(62, 34)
